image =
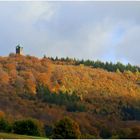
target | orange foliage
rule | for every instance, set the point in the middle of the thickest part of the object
(2, 114)
(4, 77)
(42, 78)
(31, 86)
(101, 91)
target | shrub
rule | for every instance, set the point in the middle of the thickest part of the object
(48, 130)
(4, 125)
(135, 134)
(123, 133)
(105, 133)
(66, 128)
(27, 127)
(87, 136)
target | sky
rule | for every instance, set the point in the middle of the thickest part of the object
(96, 30)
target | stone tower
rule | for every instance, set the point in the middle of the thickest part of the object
(19, 50)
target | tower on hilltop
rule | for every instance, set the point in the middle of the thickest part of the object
(19, 50)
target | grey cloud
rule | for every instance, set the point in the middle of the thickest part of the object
(129, 47)
(96, 30)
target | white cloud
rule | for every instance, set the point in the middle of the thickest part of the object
(34, 11)
(19, 24)
(92, 41)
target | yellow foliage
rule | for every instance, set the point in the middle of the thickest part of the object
(31, 86)
(27, 72)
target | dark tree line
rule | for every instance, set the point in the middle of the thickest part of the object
(71, 101)
(109, 66)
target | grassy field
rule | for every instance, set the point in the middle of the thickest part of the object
(16, 136)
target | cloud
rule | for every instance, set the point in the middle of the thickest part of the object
(129, 47)
(19, 24)
(34, 11)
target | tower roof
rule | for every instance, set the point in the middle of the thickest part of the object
(19, 46)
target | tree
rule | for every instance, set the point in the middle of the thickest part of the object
(66, 129)
(118, 71)
(26, 127)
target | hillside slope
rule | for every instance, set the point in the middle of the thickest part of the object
(85, 80)
(103, 97)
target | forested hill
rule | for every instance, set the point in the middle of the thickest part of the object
(25, 73)
(40, 88)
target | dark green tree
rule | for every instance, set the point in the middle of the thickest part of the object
(66, 129)
(105, 133)
(4, 125)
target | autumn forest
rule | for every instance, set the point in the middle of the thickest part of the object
(90, 99)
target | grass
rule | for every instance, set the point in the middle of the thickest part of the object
(16, 136)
